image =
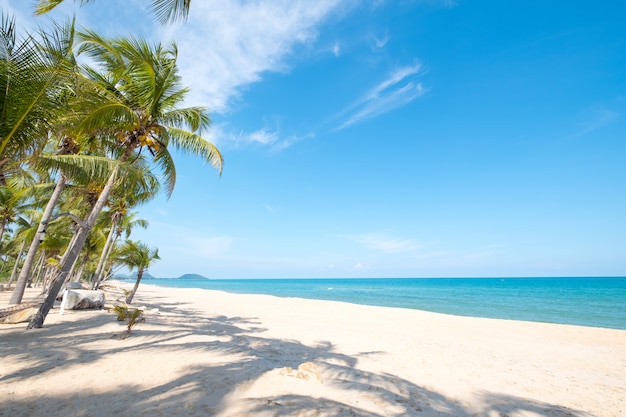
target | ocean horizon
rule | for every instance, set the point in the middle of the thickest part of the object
(583, 301)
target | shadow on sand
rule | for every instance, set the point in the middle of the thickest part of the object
(207, 389)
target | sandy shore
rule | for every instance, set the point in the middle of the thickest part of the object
(209, 353)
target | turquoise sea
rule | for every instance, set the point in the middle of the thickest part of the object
(590, 301)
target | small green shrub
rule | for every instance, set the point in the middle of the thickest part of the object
(131, 316)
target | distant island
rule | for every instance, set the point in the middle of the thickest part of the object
(192, 276)
(147, 276)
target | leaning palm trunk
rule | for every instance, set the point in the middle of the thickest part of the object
(39, 268)
(71, 255)
(105, 254)
(17, 262)
(71, 244)
(7, 311)
(48, 271)
(129, 298)
(24, 276)
(78, 275)
(2, 226)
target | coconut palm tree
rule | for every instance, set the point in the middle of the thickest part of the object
(12, 203)
(36, 76)
(166, 11)
(32, 75)
(121, 221)
(64, 165)
(118, 219)
(136, 255)
(135, 99)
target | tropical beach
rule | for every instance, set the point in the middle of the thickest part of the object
(205, 352)
(313, 208)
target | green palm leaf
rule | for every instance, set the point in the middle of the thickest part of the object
(166, 11)
(190, 143)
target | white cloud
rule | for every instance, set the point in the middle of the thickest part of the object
(263, 137)
(380, 43)
(272, 139)
(399, 89)
(385, 243)
(336, 49)
(227, 45)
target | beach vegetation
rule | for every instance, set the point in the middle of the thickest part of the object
(138, 256)
(134, 103)
(131, 316)
(166, 11)
(87, 124)
(120, 221)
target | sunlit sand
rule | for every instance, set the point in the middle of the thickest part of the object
(209, 353)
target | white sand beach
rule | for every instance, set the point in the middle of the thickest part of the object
(210, 353)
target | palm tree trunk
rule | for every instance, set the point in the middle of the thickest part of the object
(39, 267)
(107, 273)
(2, 226)
(105, 254)
(77, 276)
(107, 268)
(46, 276)
(17, 262)
(72, 253)
(20, 286)
(129, 299)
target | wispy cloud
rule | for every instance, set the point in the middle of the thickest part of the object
(228, 45)
(384, 243)
(263, 137)
(595, 120)
(223, 47)
(399, 89)
(380, 43)
(271, 139)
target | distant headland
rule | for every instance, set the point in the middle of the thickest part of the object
(147, 276)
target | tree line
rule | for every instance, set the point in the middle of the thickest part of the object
(87, 125)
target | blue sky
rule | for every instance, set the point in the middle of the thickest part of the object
(431, 138)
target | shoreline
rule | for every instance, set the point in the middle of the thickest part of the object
(547, 304)
(208, 352)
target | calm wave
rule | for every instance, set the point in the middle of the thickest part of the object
(593, 301)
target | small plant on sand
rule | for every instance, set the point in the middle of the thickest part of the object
(131, 316)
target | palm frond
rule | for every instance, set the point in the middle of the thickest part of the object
(108, 116)
(170, 11)
(81, 168)
(193, 144)
(195, 119)
(165, 162)
(44, 6)
(166, 11)
(98, 47)
(31, 77)
(137, 183)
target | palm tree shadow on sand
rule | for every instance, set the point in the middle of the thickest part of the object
(255, 364)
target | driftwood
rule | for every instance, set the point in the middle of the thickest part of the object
(7, 311)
